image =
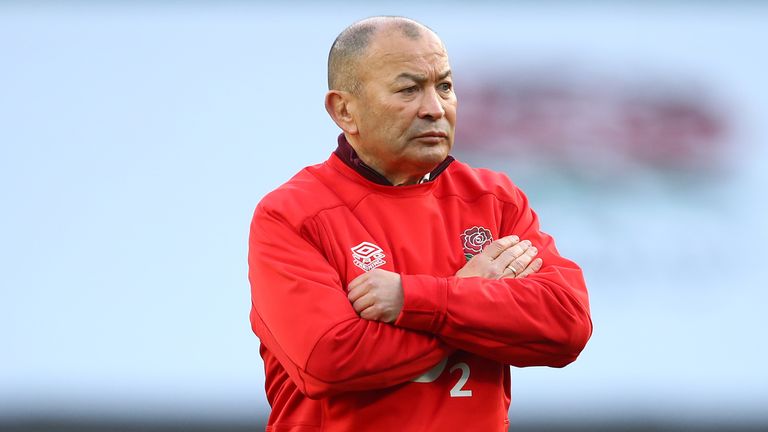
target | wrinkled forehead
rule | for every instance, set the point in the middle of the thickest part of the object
(392, 53)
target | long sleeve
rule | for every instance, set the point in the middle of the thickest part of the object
(300, 312)
(540, 320)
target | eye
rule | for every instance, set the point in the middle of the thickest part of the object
(409, 90)
(445, 87)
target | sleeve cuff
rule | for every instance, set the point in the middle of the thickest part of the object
(424, 304)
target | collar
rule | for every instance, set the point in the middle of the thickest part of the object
(349, 156)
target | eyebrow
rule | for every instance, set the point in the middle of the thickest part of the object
(422, 78)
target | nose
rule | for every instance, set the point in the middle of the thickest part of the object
(431, 105)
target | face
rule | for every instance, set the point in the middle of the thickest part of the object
(405, 110)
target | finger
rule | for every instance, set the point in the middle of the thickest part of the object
(356, 290)
(533, 267)
(510, 255)
(495, 249)
(371, 313)
(357, 281)
(364, 303)
(519, 264)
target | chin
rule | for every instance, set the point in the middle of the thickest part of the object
(431, 157)
(438, 152)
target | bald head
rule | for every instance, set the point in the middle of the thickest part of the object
(351, 46)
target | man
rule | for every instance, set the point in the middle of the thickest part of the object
(381, 299)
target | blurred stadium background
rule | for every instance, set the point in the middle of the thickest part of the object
(136, 138)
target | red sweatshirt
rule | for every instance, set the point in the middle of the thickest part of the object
(443, 365)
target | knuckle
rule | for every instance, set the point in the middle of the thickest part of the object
(507, 254)
(375, 311)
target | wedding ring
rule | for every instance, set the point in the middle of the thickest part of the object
(514, 272)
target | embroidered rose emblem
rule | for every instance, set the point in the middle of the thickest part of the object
(474, 240)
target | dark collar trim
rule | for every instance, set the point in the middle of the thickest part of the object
(349, 156)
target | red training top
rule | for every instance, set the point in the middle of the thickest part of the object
(443, 365)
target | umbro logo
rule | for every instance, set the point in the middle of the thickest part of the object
(368, 256)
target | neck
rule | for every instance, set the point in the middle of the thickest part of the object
(403, 180)
(349, 156)
(396, 178)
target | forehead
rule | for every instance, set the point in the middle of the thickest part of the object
(392, 53)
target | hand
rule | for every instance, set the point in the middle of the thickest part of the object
(506, 257)
(377, 295)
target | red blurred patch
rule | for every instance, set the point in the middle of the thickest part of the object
(588, 124)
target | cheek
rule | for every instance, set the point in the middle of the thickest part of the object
(450, 110)
(396, 119)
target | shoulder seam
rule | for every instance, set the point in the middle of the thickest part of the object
(353, 206)
(476, 197)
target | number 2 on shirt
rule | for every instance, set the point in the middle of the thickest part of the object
(458, 389)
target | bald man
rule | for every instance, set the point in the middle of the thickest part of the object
(392, 285)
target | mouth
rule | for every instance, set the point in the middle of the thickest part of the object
(433, 135)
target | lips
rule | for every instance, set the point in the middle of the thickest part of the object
(433, 134)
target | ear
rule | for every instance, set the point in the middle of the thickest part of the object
(339, 105)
